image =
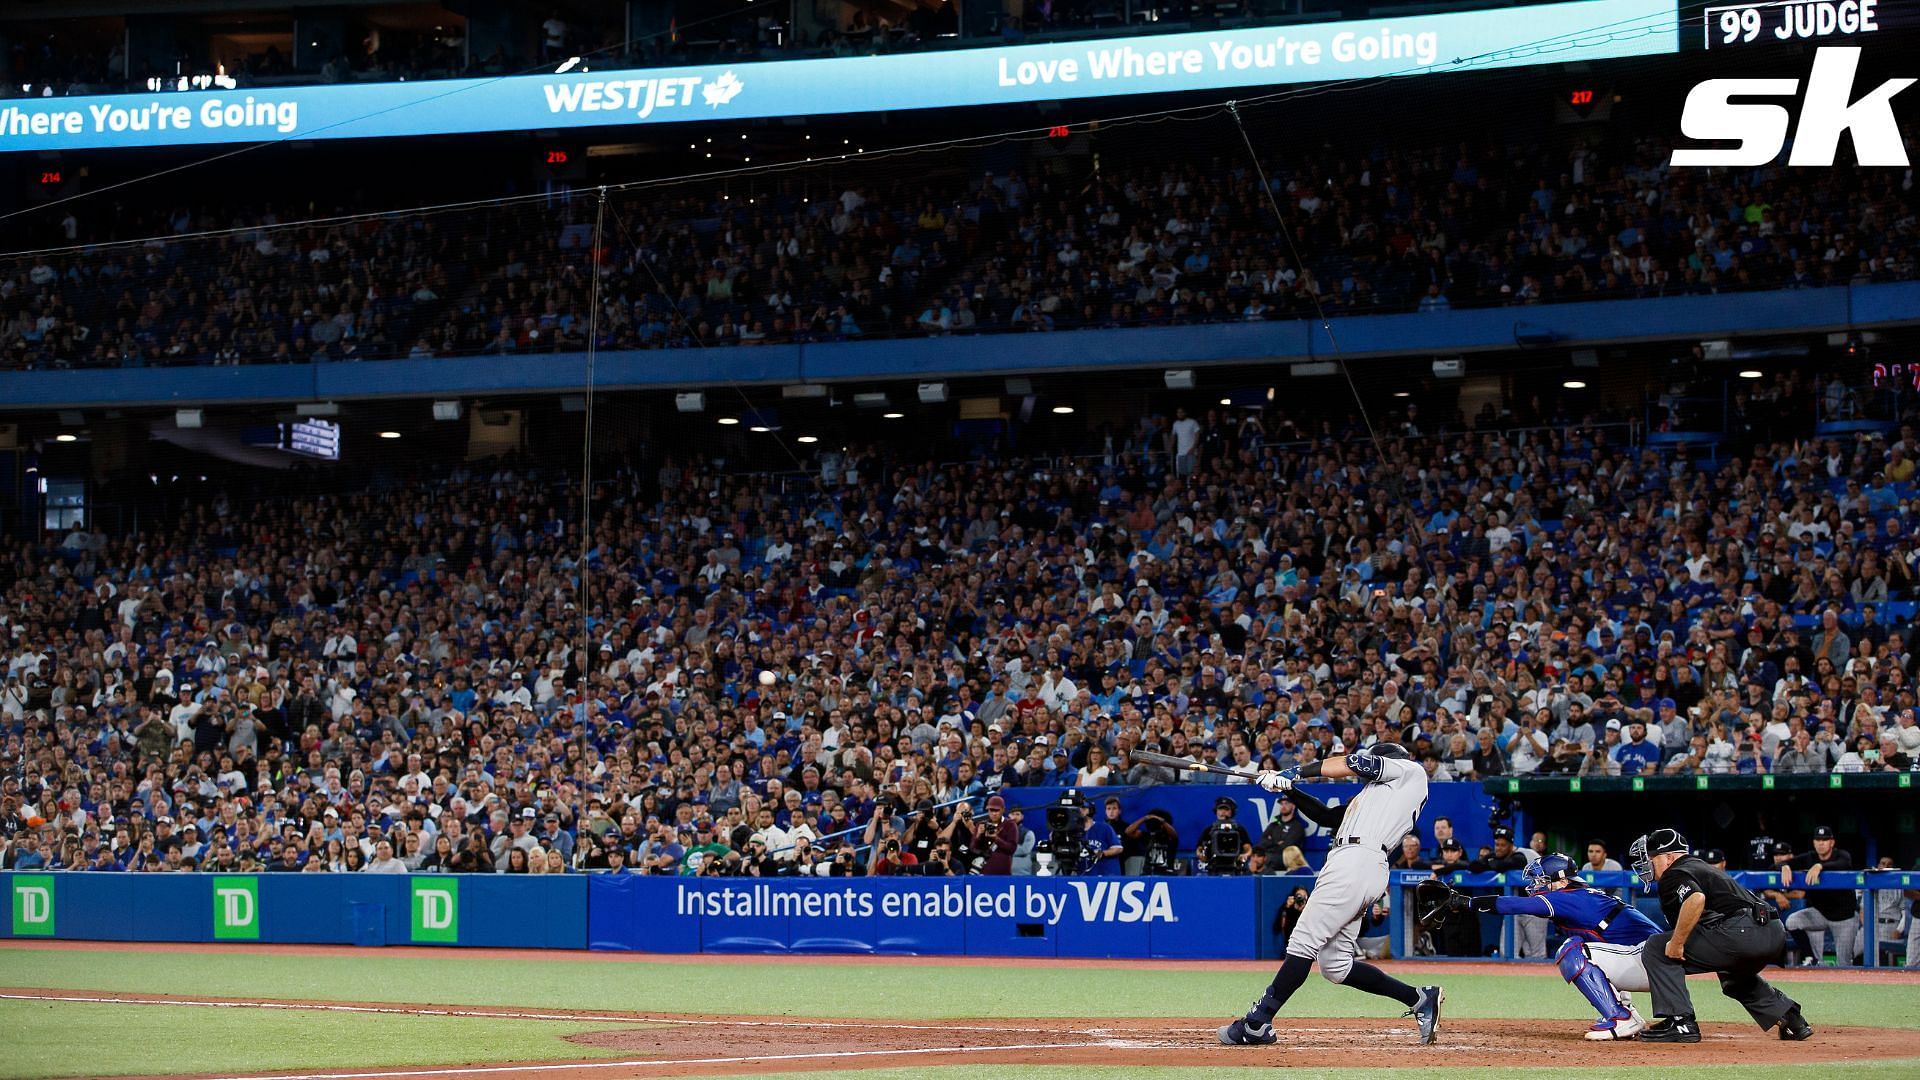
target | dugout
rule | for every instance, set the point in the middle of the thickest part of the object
(1874, 813)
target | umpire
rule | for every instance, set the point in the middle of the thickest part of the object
(1718, 926)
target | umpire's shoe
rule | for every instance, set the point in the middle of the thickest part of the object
(1794, 1027)
(1426, 1013)
(1673, 1029)
(1241, 1033)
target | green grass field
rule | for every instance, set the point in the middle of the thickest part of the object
(47, 1039)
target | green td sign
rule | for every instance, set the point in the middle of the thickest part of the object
(33, 905)
(236, 909)
(436, 910)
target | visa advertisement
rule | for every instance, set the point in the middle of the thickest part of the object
(1205, 60)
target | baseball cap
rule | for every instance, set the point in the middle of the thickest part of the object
(995, 802)
(1823, 832)
(1613, 725)
(1450, 844)
(1781, 847)
(1502, 833)
(529, 814)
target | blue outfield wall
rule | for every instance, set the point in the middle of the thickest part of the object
(958, 916)
(1184, 917)
(1461, 331)
(313, 909)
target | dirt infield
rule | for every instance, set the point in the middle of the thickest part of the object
(669, 1045)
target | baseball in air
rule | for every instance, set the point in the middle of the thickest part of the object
(766, 678)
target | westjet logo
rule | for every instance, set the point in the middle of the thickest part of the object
(642, 97)
(1827, 111)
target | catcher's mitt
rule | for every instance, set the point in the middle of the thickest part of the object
(1433, 901)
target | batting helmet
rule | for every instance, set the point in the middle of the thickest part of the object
(1383, 748)
(1543, 871)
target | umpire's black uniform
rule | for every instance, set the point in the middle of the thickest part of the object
(1737, 936)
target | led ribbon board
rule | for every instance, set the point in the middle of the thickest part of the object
(1207, 60)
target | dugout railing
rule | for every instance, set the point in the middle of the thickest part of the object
(1406, 932)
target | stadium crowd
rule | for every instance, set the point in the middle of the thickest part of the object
(1155, 243)
(393, 679)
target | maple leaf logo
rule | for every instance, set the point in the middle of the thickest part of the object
(721, 90)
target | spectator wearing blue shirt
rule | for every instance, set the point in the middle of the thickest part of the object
(1635, 754)
(1103, 836)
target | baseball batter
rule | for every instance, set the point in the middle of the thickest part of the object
(1355, 875)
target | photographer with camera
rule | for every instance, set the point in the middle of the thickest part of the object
(890, 861)
(922, 830)
(1151, 845)
(959, 838)
(996, 838)
(939, 860)
(1225, 846)
(1289, 914)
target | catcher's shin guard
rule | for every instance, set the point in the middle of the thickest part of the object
(1586, 977)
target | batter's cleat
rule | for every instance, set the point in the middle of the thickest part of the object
(1673, 1029)
(1619, 1027)
(1794, 1027)
(1241, 1033)
(1426, 1012)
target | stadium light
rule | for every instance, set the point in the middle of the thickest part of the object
(1063, 410)
(66, 436)
(389, 434)
(1574, 384)
(1750, 373)
(808, 439)
(729, 421)
(892, 415)
(760, 429)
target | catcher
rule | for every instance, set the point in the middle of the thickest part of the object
(1601, 954)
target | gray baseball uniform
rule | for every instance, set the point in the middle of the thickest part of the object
(1355, 874)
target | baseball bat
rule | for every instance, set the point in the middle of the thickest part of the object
(1152, 758)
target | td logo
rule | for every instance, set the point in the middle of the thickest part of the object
(33, 905)
(236, 909)
(436, 910)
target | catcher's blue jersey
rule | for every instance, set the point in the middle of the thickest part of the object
(1586, 912)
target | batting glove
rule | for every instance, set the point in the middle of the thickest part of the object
(1278, 782)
